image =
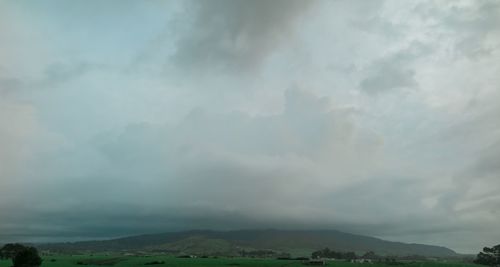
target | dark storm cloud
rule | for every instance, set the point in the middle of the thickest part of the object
(237, 34)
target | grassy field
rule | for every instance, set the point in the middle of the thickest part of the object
(68, 261)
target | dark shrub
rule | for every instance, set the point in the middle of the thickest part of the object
(154, 262)
(28, 257)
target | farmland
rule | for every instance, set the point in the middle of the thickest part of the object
(168, 261)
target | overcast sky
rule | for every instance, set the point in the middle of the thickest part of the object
(373, 117)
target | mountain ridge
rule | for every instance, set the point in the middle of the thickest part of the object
(297, 242)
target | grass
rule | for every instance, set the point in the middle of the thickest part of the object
(129, 261)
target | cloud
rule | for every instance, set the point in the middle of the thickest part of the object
(248, 169)
(394, 71)
(471, 27)
(176, 112)
(236, 35)
(53, 76)
(390, 77)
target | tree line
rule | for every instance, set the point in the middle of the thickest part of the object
(326, 253)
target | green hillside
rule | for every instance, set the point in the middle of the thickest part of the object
(299, 243)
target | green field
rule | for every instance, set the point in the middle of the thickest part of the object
(68, 261)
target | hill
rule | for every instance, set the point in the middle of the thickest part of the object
(298, 243)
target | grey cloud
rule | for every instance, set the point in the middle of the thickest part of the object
(59, 73)
(475, 198)
(9, 85)
(53, 75)
(390, 77)
(395, 71)
(472, 28)
(370, 20)
(480, 181)
(237, 35)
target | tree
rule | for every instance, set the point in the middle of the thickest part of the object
(489, 256)
(28, 257)
(9, 251)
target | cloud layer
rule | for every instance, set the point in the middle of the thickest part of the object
(376, 117)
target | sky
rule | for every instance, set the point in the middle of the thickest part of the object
(130, 117)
